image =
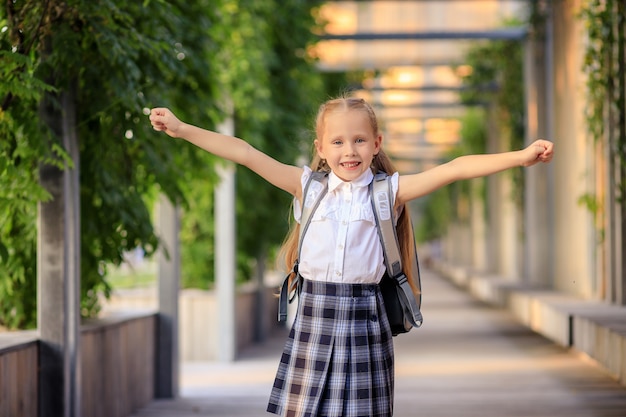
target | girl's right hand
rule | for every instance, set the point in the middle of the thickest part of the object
(539, 151)
(162, 119)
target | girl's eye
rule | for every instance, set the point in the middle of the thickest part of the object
(336, 142)
(360, 140)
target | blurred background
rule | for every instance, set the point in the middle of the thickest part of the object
(100, 214)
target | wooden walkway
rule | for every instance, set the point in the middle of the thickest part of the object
(468, 360)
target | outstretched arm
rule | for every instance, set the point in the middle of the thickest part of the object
(471, 166)
(286, 177)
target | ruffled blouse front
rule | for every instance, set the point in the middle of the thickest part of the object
(342, 243)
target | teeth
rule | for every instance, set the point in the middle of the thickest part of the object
(351, 164)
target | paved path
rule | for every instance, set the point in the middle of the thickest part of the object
(468, 360)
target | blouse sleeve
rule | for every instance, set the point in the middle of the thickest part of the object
(394, 189)
(297, 207)
(394, 185)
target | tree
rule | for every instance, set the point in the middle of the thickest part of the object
(275, 90)
(117, 59)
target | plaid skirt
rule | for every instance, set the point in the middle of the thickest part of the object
(338, 358)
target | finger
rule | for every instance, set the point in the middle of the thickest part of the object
(546, 157)
(158, 119)
(548, 152)
(157, 113)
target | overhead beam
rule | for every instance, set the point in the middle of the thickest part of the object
(432, 87)
(421, 113)
(342, 67)
(424, 1)
(430, 105)
(514, 33)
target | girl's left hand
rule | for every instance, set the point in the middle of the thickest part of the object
(539, 151)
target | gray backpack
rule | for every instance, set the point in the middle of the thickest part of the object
(403, 309)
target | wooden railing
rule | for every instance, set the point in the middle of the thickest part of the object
(19, 365)
(118, 354)
(117, 365)
(117, 360)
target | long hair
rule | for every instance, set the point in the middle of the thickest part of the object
(288, 253)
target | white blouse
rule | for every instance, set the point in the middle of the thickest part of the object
(342, 243)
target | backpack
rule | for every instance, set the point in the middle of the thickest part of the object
(403, 309)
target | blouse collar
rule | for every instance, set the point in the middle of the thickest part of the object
(362, 181)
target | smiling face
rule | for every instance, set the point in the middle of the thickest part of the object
(348, 142)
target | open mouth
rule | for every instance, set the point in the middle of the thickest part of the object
(350, 165)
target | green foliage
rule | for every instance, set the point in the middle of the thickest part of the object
(297, 90)
(501, 62)
(436, 214)
(197, 234)
(599, 19)
(442, 207)
(115, 59)
(473, 132)
(498, 63)
(605, 66)
(22, 149)
(275, 93)
(134, 52)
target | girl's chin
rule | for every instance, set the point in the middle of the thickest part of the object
(349, 174)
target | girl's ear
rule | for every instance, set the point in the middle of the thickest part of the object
(378, 143)
(318, 148)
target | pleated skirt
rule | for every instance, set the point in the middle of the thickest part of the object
(338, 358)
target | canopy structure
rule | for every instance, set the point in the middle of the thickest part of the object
(415, 52)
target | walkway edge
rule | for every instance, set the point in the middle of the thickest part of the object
(594, 328)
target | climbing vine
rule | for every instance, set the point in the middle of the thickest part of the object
(501, 63)
(114, 59)
(496, 82)
(605, 65)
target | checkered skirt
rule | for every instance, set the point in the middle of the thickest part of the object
(338, 358)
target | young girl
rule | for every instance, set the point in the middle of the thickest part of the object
(338, 358)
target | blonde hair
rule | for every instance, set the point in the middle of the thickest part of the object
(381, 163)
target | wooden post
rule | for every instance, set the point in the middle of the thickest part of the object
(58, 273)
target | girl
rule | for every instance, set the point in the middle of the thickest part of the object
(338, 358)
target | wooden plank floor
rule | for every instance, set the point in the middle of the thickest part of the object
(468, 360)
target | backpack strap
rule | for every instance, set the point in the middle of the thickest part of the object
(314, 190)
(382, 205)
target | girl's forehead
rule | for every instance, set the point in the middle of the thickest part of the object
(347, 117)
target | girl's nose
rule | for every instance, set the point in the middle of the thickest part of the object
(350, 149)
